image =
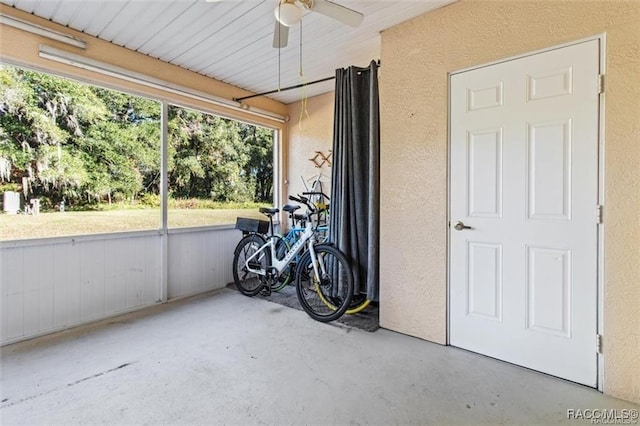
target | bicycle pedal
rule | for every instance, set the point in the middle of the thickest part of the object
(266, 291)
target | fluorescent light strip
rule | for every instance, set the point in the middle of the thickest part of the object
(41, 31)
(62, 56)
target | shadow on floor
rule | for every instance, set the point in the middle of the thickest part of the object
(366, 320)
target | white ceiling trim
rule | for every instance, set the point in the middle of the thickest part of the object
(62, 56)
(42, 31)
(231, 40)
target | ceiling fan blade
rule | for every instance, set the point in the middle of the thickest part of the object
(280, 35)
(340, 13)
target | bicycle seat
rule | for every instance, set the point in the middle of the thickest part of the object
(268, 211)
(299, 216)
(290, 208)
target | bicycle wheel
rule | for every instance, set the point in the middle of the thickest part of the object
(335, 284)
(250, 283)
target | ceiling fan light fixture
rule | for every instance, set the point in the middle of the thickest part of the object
(288, 14)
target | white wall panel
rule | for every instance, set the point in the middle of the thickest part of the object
(50, 285)
(66, 306)
(12, 280)
(200, 261)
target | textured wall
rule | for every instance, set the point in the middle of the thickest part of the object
(307, 134)
(416, 58)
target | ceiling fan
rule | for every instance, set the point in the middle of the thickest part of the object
(289, 12)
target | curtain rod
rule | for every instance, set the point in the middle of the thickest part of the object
(297, 86)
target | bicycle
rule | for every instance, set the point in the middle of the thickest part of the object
(282, 242)
(298, 223)
(324, 280)
(359, 302)
(287, 241)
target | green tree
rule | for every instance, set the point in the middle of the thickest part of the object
(259, 167)
(38, 114)
(124, 152)
(64, 140)
(207, 157)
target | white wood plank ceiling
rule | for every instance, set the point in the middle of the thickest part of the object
(231, 40)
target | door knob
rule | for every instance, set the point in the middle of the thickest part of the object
(459, 226)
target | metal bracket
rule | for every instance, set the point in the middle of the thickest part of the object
(600, 83)
(599, 219)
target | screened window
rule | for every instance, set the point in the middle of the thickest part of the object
(80, 159)
(218, 168)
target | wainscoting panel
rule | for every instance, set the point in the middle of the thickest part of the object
(200, 261)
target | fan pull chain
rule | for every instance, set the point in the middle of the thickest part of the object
(303, 101)
(301, 71)
(279, 44)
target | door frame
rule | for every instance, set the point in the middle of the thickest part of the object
(601, 38)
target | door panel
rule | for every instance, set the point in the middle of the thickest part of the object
(484, 295)
(484, 168)
(548, 290)
(549, 170)
(524, 178)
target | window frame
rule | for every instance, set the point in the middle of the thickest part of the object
(165, 98)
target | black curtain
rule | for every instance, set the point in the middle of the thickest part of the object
(355, 177)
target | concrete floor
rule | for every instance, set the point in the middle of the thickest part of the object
(223, 358)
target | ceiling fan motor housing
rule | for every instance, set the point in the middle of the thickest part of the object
(287, 13)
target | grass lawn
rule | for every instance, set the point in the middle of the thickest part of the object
(17, 227)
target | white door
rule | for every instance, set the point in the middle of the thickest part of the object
(524, 178)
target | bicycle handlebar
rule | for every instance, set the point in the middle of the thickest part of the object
(303, 200)
(316, 193)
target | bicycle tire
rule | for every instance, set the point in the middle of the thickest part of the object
(337, 284)
(249, 283)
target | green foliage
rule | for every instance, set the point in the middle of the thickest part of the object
(199, 203)
(214, 158)
(258, 168)
(65, 141)
(12, 187)
(150, 200)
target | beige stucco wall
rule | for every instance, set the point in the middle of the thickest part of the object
(416, 58)
(309, 132)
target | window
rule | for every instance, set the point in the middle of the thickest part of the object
(218, 168)
(80, 159)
